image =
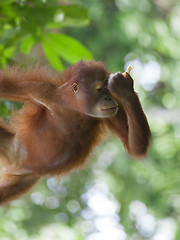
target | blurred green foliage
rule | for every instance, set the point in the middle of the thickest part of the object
(26, 23)
(113, 195)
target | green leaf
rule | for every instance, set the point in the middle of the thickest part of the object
(8, 52)
(69, 48)
(72, 15)
(52, 56)
(75, 11)
(6, 2)
(26, 45)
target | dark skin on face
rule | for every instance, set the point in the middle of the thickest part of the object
(63, 119)
(100, 103)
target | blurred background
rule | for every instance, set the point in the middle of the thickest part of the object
(114, 196)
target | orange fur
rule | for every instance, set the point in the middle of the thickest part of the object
(57, 129)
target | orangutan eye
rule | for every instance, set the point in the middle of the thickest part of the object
(98, 86)
(75, 87)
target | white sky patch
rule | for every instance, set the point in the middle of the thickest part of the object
(114, 234)
(137, 208)
(101, 205)
(150, 227)
(37, 198)
(146, 225)
(148, 74)
(166, 230)
(104, 210)
(59, 17)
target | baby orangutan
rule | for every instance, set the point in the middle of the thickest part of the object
(63, 118)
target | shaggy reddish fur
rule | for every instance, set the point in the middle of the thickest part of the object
(49, 135)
